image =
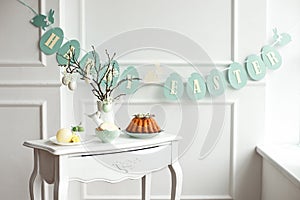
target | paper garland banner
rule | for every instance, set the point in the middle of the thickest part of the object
(173, 87)
(89, 60)
(43, 21)
(255, 67)
(110, 78)
(237, 75)
(195, 87)
(51, 41)
(88, 63)
(66, 50)
(40, 20)
(281, 39)
(271, 57)
(215, 83)
(129, 86)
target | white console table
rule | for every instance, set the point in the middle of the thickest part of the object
(126, 158)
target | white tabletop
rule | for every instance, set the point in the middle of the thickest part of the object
(95, 146)
(284, 157)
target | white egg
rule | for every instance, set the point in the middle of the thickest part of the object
(65, 80)
(72, 85)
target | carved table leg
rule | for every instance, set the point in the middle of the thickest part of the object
(146, 187)
(35, 182)
(61, 182)
(176, 174)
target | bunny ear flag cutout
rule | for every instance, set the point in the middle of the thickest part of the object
(43, 21)
(281, 39)
(39, 20)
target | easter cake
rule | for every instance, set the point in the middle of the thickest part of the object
(143, 123)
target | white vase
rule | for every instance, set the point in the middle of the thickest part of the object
(106, 110)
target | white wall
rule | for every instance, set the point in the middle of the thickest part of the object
(228, 31)
(283, 85)
(29, 94)
(30, 85)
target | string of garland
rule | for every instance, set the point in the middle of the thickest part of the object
(104, 78)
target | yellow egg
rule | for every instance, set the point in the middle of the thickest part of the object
(64, 135)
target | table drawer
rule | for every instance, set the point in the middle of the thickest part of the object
(127, 162)
(138, 161)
